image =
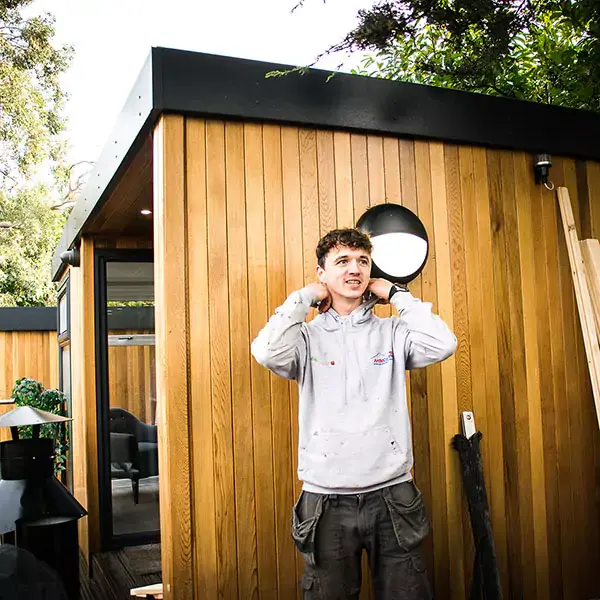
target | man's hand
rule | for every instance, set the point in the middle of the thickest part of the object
(321, 295)
(381, 288)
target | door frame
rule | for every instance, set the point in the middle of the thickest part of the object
(108, 540)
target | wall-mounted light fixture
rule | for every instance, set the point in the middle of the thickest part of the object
(145, 211)
(400, 242)
(71, 257)
(541, 169)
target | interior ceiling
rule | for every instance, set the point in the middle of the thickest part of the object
(130, 281)
(119, 215)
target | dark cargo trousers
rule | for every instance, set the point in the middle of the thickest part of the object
(331, 531)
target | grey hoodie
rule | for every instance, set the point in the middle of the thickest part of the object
(354, 427)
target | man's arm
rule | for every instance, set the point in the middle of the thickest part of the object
(426, 338)
(280, 345)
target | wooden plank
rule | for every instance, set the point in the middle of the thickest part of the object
(416, 380)
(555, 255)
(200, 382)
(571, 567)
(590, 252)
(326, 181)
(582, 295)
(79, 449)
(245, 511)
(582, 414)
(261, 400)
(474, 299)
(343, 179)
(88, 350)
(171, 322)
(578, 374)
(294, 268)
(517, 405)
(220, 360)
(458, 272)
(5, 376)
(593, 186)
(542, 283)
(461, 320)
(310, 200)
(376, 184)
(474, 307)
(534, 479)
(500, 171)
(276, 284)
(156, 590)
(360, 174)
(406, 151)
(375, 169)
(416, 176)
(448, 369)
(493, 446)
(391, 171)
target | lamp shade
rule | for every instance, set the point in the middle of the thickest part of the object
(27, 415)
(400, 242)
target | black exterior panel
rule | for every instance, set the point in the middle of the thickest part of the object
(209, 85)
(42, 318)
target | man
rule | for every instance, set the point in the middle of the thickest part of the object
(355, 447)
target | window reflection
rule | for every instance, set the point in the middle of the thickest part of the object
(132, 397)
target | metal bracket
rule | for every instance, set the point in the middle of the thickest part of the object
(468, 424)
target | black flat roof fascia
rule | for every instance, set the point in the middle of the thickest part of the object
(210, 85)
(206, 85)
(26, 318)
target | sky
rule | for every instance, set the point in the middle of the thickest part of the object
(112, 39)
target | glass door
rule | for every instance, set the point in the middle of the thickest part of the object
(126, 365)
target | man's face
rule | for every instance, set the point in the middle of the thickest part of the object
(346, 273)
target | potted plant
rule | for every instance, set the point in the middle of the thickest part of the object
(29, 392)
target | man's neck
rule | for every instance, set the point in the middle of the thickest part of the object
(344, 306)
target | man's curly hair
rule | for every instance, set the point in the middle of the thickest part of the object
(352, 238)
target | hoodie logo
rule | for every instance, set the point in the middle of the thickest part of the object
(382, 359)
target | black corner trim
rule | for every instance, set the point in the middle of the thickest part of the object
(36, 318)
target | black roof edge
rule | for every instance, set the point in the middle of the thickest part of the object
(220, 86)
(34, 318)
(196, 84)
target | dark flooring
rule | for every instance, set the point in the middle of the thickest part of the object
(129, 517)
(115, 573)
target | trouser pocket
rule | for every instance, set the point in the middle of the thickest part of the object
(305, 518)
(408, 514)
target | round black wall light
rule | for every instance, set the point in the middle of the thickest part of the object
(400, 242)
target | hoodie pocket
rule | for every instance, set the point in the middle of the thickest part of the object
(352, 460)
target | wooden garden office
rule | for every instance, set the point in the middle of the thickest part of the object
(238, 176)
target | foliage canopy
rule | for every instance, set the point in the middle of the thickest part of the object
(27, 246)
(30, 94)
(541, 50)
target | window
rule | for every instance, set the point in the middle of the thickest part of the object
(64, 369)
